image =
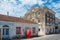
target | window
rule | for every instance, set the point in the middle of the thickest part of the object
(38, 20)
(48, 20)
(34, 29)
(47, 14)
(38, 13)
(7, 31)
(39, 29)
(32, 14)
(3, 31)
(56, 27)
(18, 30)
(33, 20)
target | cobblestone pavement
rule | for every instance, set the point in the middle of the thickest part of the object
(47, 37)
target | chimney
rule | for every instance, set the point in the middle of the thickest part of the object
(7, 13)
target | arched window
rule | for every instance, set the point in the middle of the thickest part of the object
(5, 26)
(5, 30)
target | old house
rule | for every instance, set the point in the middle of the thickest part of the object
(12, 26)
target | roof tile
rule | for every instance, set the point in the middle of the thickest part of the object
(14, 19)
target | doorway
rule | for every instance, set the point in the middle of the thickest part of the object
(5, 31)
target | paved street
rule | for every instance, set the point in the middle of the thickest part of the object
(47, 37)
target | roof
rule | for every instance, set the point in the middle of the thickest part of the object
(14, 19)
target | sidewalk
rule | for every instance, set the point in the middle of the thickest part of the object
(39, 37)
(28, 38)
(34, 38)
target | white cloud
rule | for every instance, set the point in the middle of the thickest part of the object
(40, 2)
(10, 5)
(50, 1)
(13, 1)
(5, 6)
(28, 2)
(45, 1)
(56, 5)
(18, 10)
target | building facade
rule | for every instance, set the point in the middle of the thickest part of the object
(44, 16)
(57, 25)
(11, 27)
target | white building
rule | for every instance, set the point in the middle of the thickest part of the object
(13, 26)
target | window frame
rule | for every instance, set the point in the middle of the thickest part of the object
(39, 20)
(18, 30)
(34, 29)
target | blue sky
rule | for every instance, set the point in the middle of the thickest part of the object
(20, 7)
